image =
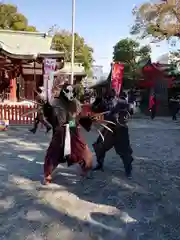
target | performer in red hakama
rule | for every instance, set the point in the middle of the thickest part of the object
(67, 110)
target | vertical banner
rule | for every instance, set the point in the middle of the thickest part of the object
(49, 69)
(97, 72)
(117, 76)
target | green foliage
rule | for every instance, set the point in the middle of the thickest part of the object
(159, 20)
(79, 91)
(31, 29)
(144, 53)
(11, 19)
(129, 52)
(83, 53)
(175, 57)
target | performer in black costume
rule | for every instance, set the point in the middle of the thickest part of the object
(42, 114)
(119, 137)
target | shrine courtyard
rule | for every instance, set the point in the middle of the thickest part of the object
(109, 206)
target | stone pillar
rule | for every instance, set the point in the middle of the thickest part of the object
(12, 96)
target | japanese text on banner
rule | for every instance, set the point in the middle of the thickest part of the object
(117, 77)
(49, 68)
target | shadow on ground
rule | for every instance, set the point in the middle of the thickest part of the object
(108, 206)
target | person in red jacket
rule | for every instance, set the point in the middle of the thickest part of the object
(153, 104)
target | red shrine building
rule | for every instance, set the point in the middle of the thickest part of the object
(161, 79)
(22, 56)
(21, 62)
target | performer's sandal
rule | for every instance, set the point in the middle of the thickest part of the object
(47, 180)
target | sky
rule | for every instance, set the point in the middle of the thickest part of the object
(101, 22)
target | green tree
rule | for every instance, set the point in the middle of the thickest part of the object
(79, 89)
(11, 19)
(159, 20)
(174, 58)
(130, 53)
(83, 53)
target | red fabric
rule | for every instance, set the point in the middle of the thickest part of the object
(55, 152)
(151, 73)
(117, 77)
(86, 110)
(80, 152)
(152, 102)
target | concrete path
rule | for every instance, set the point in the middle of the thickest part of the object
(108, 206)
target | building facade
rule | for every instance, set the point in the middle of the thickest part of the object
(21, 62)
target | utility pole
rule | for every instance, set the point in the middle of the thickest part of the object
(73, 39)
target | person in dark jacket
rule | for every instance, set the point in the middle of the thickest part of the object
(40, 118)
(131, 100)
(119, 136)
(174, 107)
(124, 95)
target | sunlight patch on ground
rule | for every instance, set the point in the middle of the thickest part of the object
(3, 135)
(141, 158)
(26, 157)
(122, 183)
(111, 216)
(67, 202)
(59, 201)
(7, 203)
(35, 215)
(119, 231)
(20, 143)
(45, 145)
(126, 218)
(68, 174)
(23, 183)
(129, 186)
(41, 163)
(2, 167)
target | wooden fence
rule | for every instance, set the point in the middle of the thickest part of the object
(14, 113)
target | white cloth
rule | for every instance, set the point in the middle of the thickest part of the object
(131, 105)
(67, 141)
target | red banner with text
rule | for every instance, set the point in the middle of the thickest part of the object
(117, 76)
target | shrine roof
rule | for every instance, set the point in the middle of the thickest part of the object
(103, 82)
(168, 68)
(99, 84)
(144, 62)
(164, 58)
(78, 69)
(27, 45)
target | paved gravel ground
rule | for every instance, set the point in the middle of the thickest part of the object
(108, 206)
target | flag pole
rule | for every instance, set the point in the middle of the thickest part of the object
(73, 39)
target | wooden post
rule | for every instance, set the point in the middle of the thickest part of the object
(12, 96)
(34, 78)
